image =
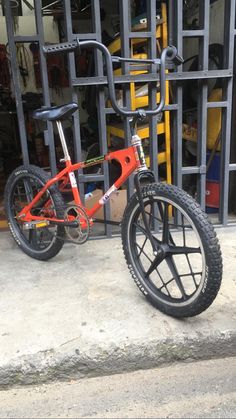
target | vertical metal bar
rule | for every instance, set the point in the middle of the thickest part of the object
(125, 52)
(48, 135)
(166, 113)
(177, 120)
(152, 92)
(204, 13)
(72, 75)
(96, 21)
(229, 25)
(152, 48)
(171, 21)
(16, 82)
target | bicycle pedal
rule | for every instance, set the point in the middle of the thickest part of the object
(33, 225)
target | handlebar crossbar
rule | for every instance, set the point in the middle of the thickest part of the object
(135, 60)
(168, 54)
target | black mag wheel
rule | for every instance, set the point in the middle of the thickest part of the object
(185, 277)
(22, 186)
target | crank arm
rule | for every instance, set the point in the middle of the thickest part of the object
(73, 224)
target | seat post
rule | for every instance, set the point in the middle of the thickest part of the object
(63, 141)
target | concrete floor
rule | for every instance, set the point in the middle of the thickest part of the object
(204, 389)
(81, 314)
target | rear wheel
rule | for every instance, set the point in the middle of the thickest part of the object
(22, 186)
(183, 279)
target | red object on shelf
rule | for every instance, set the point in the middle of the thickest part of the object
(212, 193)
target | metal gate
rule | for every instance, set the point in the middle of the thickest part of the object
(177, 35)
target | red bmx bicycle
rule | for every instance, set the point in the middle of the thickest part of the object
(170, 247)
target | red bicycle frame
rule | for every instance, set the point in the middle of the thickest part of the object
(129, 159)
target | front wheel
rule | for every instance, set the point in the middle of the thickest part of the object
(184, 277)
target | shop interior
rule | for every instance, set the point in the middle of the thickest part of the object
(32, 98)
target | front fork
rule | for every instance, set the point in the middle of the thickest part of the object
(143, 173)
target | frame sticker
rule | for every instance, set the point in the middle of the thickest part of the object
(73, 180)
(107, 195)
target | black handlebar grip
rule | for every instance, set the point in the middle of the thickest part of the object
(63, 47)
(178, 59)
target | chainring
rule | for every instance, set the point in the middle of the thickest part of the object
(80, 234)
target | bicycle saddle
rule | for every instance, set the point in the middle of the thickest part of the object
(55, 112)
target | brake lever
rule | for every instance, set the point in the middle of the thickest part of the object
(178, 60)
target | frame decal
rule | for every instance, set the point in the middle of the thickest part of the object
(103, 200)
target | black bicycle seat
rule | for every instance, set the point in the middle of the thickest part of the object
(55, 112)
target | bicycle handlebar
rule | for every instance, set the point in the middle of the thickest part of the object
(168, 54)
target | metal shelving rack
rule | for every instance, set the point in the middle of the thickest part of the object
(176, 37)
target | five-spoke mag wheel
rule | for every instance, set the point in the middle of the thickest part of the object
(180, 271)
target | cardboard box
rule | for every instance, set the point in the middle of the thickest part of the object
(118, 202)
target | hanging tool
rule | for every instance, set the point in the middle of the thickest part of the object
(23, 59)
(4, 67)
